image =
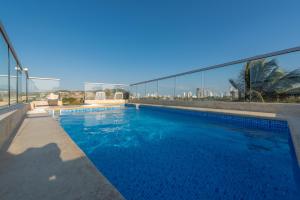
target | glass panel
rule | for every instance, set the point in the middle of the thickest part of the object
(225, 84)
(13, 79)
(3, 73)
(189, 87)
(20, 90)
(141, 91)
(40, 88)
(220, 84)
(131, 95)
(275, 79)
(23, 95)
(166, 88)
(71, 97)
(134, 91)
(125, 91)
(105, 91)
(151, 89)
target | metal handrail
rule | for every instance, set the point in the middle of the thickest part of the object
(19, 68)
(42, 78)
(10, 46)
(114, 84)
(261, 56)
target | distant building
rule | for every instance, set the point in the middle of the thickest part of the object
(199, 93)
(203, 92)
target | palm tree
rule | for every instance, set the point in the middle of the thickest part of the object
(264, 79)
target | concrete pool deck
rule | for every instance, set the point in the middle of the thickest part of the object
(294, 127)
(42, 162)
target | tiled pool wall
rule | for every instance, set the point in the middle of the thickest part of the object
(82, 110)
(241, 106)
(244, 121)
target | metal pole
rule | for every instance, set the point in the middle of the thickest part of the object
(250, 88)
(8, 67)
(17, 82)
(174, 87)
(136, 91)
(157, 89)
(26, 89)
(203, 86)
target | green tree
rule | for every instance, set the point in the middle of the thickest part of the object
(263, 79)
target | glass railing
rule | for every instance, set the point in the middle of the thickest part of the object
(11, 73)
(272, 77)
(4, 96)
(39, 89)
(105, 91)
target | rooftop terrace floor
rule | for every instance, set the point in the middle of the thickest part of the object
(42, 162)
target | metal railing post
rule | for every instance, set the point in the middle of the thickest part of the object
(136, 91)
(174, 94)
(250, 87)
(26, 89)
(157, 89)
(17, 83)
(8, 68)
(11, 52)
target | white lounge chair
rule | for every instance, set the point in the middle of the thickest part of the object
(53, 99)
(100, 96)
(118, 95)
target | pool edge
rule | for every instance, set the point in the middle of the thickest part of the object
(89, 162)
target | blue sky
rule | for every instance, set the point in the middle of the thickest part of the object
(130, 41)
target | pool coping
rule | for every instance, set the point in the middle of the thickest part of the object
(290, 117)
(262, 115)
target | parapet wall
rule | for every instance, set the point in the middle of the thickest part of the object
(10, 120)
(243, 106)
(105, 102)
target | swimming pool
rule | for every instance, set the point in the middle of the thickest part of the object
(160, 153)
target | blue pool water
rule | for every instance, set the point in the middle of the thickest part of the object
(163, 154)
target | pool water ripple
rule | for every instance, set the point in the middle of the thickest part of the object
(159, 154)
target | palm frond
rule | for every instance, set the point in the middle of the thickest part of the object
(266, 79)
(260, 72)
(234, 84)
(287, 82)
